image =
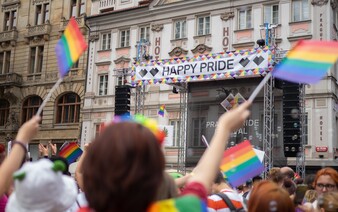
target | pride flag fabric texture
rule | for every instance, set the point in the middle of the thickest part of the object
(71, 152)
(241, 163)
(70, 47)
(307, 62)
(181, 204)
(161, 111)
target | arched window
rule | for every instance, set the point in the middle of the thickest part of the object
(4, 111)
(68, 108)
(30, 107)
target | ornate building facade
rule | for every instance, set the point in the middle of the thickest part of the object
(176, 29)
(29, 31)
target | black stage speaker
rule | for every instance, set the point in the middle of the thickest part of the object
(291, 118)
(122, 100)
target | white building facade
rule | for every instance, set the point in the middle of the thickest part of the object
(179, 28)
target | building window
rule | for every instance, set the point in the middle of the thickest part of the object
(106, 40)
(120, 80)
(4, 111)
(5, 62)
(177, 131)
(244, 19)
(300, 10)
(10, 20)
(41, 13)
(271, 14)
(68, 109)
(98, 129)
(30, 107)
(203, 25)
(145, 33)
(198, 129)
(124, 38)
(180, 29)
(103, 85)
(36, 59)
(78, 8)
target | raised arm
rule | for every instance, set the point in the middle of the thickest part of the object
(78, 170)
(18, 152)
(209, 164)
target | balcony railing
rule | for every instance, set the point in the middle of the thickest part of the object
(10, 79)
(106, 4)
(38, 30)
(8, 35)
(80, 21)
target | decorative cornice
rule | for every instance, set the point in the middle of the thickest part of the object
(319, 2)
(245, 44)
(157, 27)
(201, 48)
(227, 15)
(177, 51)
(94, 37)
(104, 63)
(122, 59)
(334, 4)
(302, 37)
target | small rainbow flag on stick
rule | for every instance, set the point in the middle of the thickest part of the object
(71, 151)
(241, 163)
(161, 111)
(307, 62)
(70, 47)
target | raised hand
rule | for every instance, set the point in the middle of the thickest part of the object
(53, 147)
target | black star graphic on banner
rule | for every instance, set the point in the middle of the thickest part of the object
(258, 60)
(143, 72)
(244, 62)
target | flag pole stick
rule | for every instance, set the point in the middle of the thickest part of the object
(260, 86)
(205, 141)
(51, 91)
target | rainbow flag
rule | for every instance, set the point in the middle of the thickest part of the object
(307, 62)
(241, 163)
(70, 47)
(181, 204)
(70, 151)
(161, 111)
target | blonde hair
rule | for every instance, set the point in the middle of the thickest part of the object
(310, 196)
(328, 201)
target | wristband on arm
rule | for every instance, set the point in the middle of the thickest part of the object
(23, 146)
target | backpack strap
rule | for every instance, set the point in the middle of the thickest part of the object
(227, 200)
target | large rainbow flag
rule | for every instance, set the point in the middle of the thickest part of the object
(241, 163)
(181, 204)
(70, 47)
(71, 151)
(307, 62)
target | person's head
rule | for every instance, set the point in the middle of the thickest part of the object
(287, 172)
(218, 183)
(328, 202)
(40, 186)
(167, 189)
(267, 196)
(326, 180)
(289, 186)
(309, 179)
(256, 180)
(299, 181)
(310, 196)
(123, 165)
(275, 175)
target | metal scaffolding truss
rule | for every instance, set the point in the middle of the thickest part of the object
(139, 99)
(300, 160)
(268, 125)
(183, 89)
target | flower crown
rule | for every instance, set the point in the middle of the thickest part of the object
(149, 123)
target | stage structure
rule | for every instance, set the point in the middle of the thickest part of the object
(209, 67)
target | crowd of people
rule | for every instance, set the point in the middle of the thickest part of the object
(123, 170)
